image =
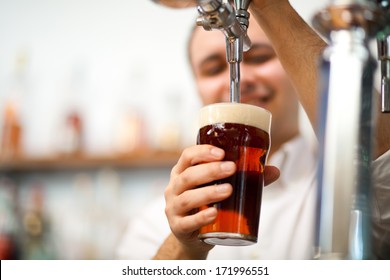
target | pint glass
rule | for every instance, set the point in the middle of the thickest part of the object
(242, 131)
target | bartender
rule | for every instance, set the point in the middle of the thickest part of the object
(278, 72)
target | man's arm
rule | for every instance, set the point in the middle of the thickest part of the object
(299, 47)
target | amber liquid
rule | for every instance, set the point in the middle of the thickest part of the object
(238, 217)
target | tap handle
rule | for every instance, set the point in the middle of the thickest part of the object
(383, 41)
(217, 14)
(385, 86)
(384, 57)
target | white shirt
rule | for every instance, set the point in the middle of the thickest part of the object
(287, 219)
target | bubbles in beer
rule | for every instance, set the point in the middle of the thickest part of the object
(238, 215)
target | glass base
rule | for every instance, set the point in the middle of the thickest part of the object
(227, 239)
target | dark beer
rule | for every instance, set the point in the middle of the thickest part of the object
(238, 216)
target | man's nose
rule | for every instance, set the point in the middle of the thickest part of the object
(247, 87)
(247, 80)
(247, 83)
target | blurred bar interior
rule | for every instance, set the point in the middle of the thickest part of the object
(97, 100)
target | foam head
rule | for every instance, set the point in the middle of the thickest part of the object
(235, 113)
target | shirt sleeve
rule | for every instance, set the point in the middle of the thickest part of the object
(145, 233)
(381, 206)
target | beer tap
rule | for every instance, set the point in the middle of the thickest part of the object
(384, 56)
(232, 18)
(383, 40)
(346, 128)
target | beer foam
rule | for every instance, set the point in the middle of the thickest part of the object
(235, 113)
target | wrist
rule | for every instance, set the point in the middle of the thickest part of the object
(173, 249)
(197, 251)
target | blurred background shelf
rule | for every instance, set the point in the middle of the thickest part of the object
(138, 159)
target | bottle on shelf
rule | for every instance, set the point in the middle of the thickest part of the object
(11, 133)
(131, 133)
(71, 141)
(14, 113)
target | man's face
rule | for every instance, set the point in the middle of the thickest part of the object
(264, 82)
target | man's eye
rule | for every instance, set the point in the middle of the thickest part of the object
(258, 54)
(213, 69)
(258, 59)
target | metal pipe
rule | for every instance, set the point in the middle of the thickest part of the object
(346, 122)
(234, 57)
(216, 14)
(347, 58)
(384, 57)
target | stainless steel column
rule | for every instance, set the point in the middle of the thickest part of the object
(346, 124)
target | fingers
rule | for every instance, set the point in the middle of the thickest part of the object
(202, 174)
(271, 174)
(200, 165)
(194, 222)
(195, 198)
(197, 154)
(181, 222)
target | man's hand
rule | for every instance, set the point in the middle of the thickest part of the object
(198, 165)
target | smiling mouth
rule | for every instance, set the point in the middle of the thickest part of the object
(258, 94)
(261, 100)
